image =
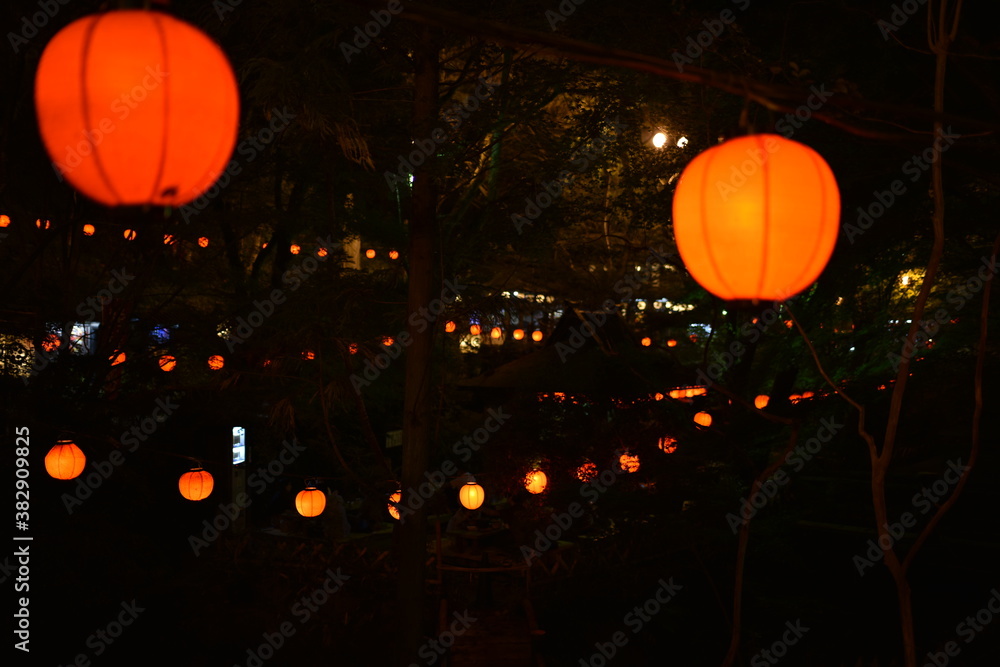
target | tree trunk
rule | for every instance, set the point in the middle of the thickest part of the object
(417, 399)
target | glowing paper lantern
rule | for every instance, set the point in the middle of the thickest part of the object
(518, 334)
(703, 419)
(216, 362)
(388, 341)
(761, 401)
(370, 253)
(117, 358)
(322, 252)
(671, 343)
(393, 254)
(137, 107)
(65, 460)
(450, 327)
(536, 481)
(168, 239)
(587, 471)
(203, 241)
(88, 230)
(647, 341)
(4, 220)
(295, 249)
(43, 224)
(537, 336)
(756, 217)
(475, 330)
(667, 444)
(196, 484)
(129, 234)
(393, 501)
(496, 333)
(471, 495)
(310, 501)
(167, 363)
(629, 462)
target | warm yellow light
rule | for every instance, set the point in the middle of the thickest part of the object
(537, 336)
(659, 140)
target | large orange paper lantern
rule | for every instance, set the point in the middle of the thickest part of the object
(756, 217)
(196, 484)
(65, 460)
(310, 501)
(137, 107)
(471, 496)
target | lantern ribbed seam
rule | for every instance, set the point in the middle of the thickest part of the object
(821, 233)
(85, 102)
(704, 222)
(765, 232)
(157, 182)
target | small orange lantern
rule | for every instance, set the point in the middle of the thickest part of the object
(129, 234)
(196, 484)
(168, 239)
(310, 501)
(518, 334)
(388, 341)
(168, 363)
(179, 107)
(647, 341)
(536, 481)
(65, 460)
(393, 502)
(4, 220)
(393, 254)
(471, 495)
(587, 471)
(537, 336)
(295, 249)
(703, 419)
(761, 401)
(667, 444)
(629, 462)
(203, 241)
(496, 333)
(117, 358)
(216, 362)
(450, 327)
(42, 224)
(322, 252)
(671, 343)
(475, 330)
(370, 253)
(756, 217)
(89, 229)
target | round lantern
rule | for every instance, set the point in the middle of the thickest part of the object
(587, 471)
(761, 401)
(65, 460)
(667, 444)
(472, 496)
(370, 253)
(703, 419)
(536, 481)
(537, 336)
(88, 230)
(137, 107)
(168, 362)
(449, 327)
(475, 330)
(496, 333)
(518, 334)
(756, 217)
(629, 462)
(216, 362)
(196, 484)
(310, 501)
(647, 341)
(671, 343)
(393, 501)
